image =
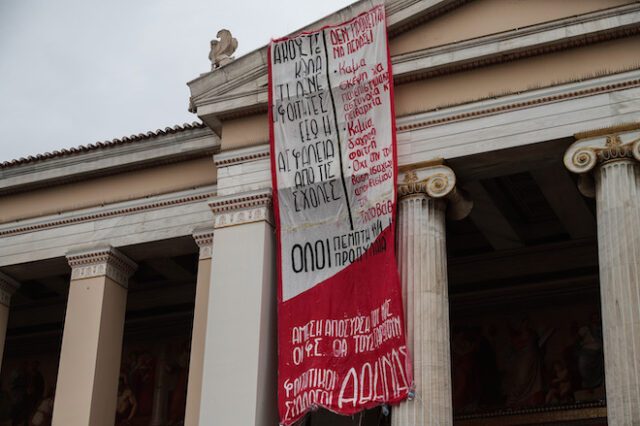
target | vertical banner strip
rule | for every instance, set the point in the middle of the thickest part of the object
(341, 338)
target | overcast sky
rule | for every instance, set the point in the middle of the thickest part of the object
(74, 72)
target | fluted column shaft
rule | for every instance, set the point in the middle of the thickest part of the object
(610, 158)
(618, 207)
(422, 263)
(423, 271)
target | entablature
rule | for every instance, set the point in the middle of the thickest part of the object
(121, 224)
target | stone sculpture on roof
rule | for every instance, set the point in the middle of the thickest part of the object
(221, 50)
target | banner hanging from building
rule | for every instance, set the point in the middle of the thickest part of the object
(333, 159)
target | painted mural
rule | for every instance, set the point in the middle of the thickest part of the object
(543, 357)
(518, 359)
(152, 386)
(27, 386)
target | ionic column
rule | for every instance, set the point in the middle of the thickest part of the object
(240, 364)
(204, 239)
(424, 196)
(89, 367)
(8, 286)
(608, 161)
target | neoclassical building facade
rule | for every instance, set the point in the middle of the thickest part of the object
(137, 275)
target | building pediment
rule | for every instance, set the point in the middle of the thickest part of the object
(240, 88)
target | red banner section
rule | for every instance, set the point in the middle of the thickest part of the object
(333, 158)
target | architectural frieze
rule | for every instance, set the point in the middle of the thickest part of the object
(204, 240)
(241, 209)
(519, 101)
(105, 261)
(106, 212)
(8, 286)
(225, 159)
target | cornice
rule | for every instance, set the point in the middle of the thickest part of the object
(224, 91)
(105, 212)
(401, 16)
(623, 21)
(404, 15)
(163, 149)
(101, 261)
(516, 44)
(102, 145)
(204, 240)
(8, 286)
(518, 101)
(230, 158)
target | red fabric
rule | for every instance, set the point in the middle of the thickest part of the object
(341, 343)
(357, 290)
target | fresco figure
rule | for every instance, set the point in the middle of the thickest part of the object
(35, 390)
(18, 386)
(590, 359)
(474, 371)
(5, 407)
(131, 369)
(44, 410)
(179, 394)
(126, 403)
(560, 390)
(523, 380)
(466, 382)
(144, 379)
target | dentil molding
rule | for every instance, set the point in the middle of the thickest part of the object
(204, 240)
(104, 261)
(241, 209)
(8, 286)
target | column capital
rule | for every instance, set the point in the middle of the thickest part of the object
(8, 286)
(101, 261)
(436, 181)
(596, 147)
(239, 209)
(204, 240)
